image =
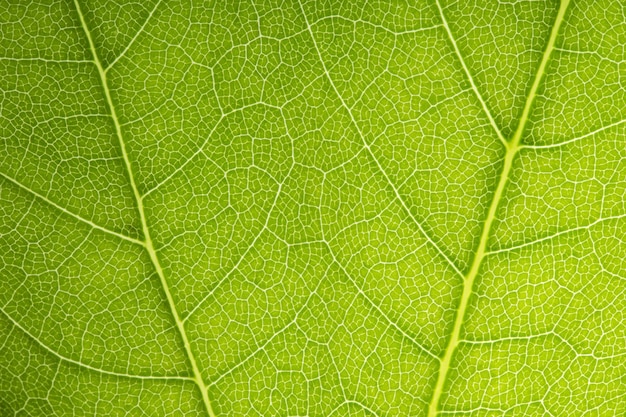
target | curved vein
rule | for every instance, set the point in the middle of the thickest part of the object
(512, 148)
(69, 213)
(84, 365)
(576, 139)
(353, 402)
(148, 240)
(200, 149)
(243, 255)
(187, 161)
(555, 235)
(262, 346)
(366, 145)
(483, 104)
(376, 307)
(551, 333)
(141, 29)
(46, 60)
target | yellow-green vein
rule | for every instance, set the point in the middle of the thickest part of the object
(144, 224)
(69, 213)
(512, 147)
(468, 74)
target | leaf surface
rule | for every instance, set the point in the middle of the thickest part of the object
(313, 208)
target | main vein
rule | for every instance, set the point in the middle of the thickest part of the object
(512, 147)
(144, 224)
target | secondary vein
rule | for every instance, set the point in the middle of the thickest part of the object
(369, 151)
(512, 148)
(468, 74)
(69, 213)
(84, 365)
(144, 224)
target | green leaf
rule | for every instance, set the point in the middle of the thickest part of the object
(313, 208)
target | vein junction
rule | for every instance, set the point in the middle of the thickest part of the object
(197, 376)
(512, 147)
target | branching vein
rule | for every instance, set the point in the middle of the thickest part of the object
(466, 70)
(84, 365)
(132, 41)
(367, 146)
(69, 213)
(512, 148)
(555, 235)
(148, 241)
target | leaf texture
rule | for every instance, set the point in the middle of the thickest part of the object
(335, 208)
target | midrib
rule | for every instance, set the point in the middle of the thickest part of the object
(512, 148)
(144, 224)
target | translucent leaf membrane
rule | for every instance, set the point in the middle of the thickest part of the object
(58, 141)
(84, 294)
(312, 208)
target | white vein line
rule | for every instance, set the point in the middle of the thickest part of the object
(46, 60)
(375, 25)
(555, 235)
(141, 29)
(369, 150)
(188, 160)
(576, 139)
(76, 216)
(357, 403)
(594, 53)
(245, 253)
(378, 309)
(83, 365)
(197, 375)
(262, 346)
(469, 76)
(506, 339)
(550, 333)
(500, 410)
(203, 145)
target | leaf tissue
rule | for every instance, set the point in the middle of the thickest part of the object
(313, 208)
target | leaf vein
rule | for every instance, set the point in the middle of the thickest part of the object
(84, 365)
(132, 41)
(512, 148)
(367, 146)
(467, 73)
(376, 307)
(148, 241)
(69, 213)
(555, 235)
(576, 139)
